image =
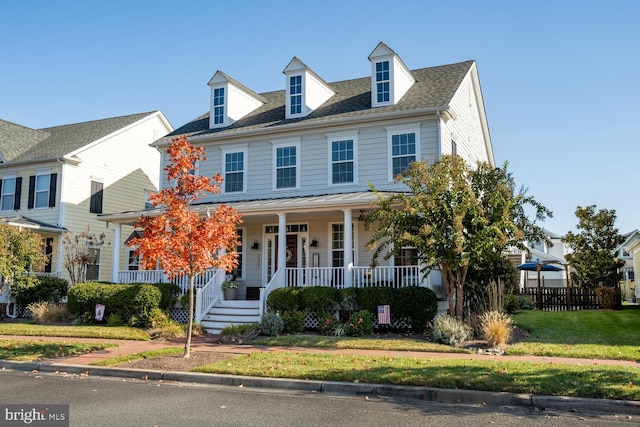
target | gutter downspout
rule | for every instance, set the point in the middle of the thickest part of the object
(61, 212)
(438, 135)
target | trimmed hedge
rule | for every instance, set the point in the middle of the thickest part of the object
(30, 289)
(416, 305)
(170, 292)
(133, 302)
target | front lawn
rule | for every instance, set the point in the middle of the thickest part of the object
(28, 350)
(80, 331)
(597, 334)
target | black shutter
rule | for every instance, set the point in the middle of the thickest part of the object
(32, 191)
(52, 189)
(16, 201)
(48, 251)
(95, 204)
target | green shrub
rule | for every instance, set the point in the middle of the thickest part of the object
(170, 292)
(30, 289)
(239, 333)
(294, 321)
(448, 330)
(510, 303)
(359, 324)
(328, 323)
(524, 302)
(419, 304)
(319, 298)
(284, 299)
(606, 297)
(271, 324)
(114, 319)
(133, 302)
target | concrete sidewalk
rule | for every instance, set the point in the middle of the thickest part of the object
(81, 364)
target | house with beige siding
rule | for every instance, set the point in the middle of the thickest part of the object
(297, 163)
(57, 180)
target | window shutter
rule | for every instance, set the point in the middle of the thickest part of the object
(32, 191)
(53, 181)
(95, 203)
(16, 201)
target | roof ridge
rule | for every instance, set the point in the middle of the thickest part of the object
(101, 120)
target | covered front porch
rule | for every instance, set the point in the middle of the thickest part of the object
(288, 242)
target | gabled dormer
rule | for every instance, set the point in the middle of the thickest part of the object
(390, 78)
(230, 100)
(306, 91)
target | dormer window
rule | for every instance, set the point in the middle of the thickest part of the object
(306, 91)
(230, 101)
(382, 81)
(218, 106)
(390, 78)
(295, 94)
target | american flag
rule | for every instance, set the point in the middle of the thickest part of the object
(384, 315)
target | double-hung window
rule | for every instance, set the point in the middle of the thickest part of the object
(295, 95)
(218, 106)
(42, 190)
(342, 155)
(235, 161)
(286, 167)
(404, 148)
(10, 193)
(382, 82)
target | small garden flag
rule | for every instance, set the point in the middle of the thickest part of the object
(384, 315)
(99, 312)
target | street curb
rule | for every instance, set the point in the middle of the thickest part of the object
(452, 396)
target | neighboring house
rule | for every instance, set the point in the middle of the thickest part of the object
(552, 252)
(627, 253)
(297, 164)
(59, 179)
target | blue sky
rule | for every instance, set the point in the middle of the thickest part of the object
(560, 79)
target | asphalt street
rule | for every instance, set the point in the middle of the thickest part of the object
(108, 401)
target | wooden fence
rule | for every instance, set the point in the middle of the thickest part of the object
(558, 299)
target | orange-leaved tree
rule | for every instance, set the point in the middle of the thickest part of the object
(184, 242)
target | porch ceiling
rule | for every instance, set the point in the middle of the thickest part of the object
(309, 205)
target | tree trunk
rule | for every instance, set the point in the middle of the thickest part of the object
(187, 345)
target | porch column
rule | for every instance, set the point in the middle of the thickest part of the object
(282, 241)
(115, 252)
(348, 248)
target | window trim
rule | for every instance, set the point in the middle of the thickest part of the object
(354, 241)
(290, 96)
(222, 106)
(294, 142)
(401, 130)
(51, 188)
(2, 194)
(241, 148)
(336, 137)
(242, 252)
(376, 82)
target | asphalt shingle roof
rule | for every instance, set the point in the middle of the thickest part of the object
(434, 87)
(18, 143)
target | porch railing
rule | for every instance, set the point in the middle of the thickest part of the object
(395, 277)
(158, 276)
(208, 295)
(315, 276)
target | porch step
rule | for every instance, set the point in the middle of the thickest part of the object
(233, 312)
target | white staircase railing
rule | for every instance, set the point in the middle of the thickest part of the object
(277, 281)
(209, 294)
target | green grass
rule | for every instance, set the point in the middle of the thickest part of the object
(81, 331)
(28, 350)
(517, 377)
(598, 334)
(318, 341)
(169, 351)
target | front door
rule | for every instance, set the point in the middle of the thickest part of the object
(295, 257)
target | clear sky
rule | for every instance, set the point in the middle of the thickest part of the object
(560, 79)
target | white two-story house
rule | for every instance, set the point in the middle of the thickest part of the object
(297, 163)
(57, 180)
